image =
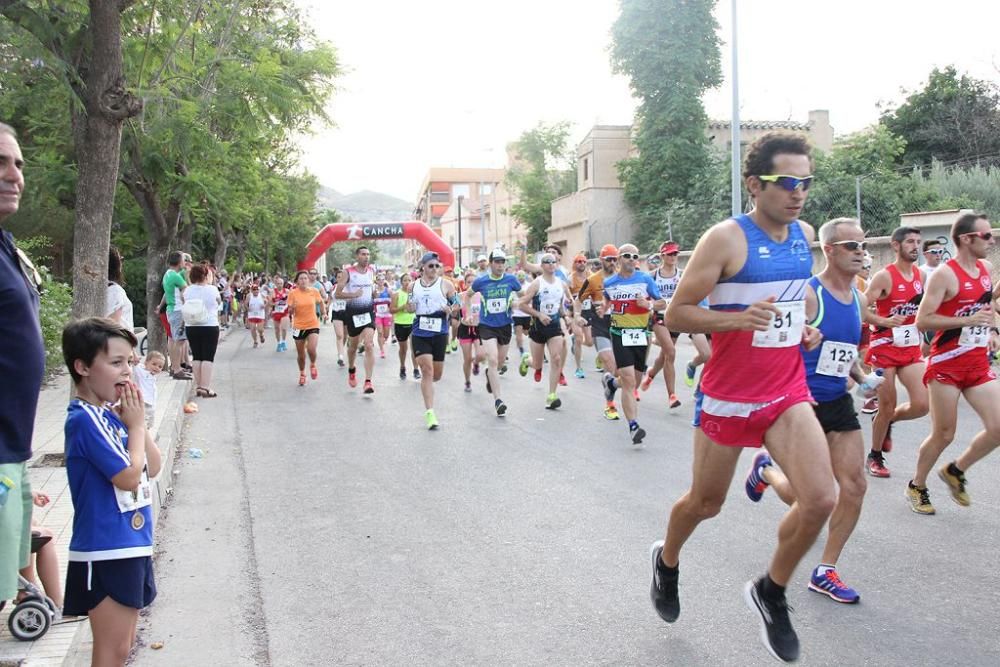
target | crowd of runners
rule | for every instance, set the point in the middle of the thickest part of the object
(786, 352)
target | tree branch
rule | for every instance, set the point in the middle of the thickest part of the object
(34, 23)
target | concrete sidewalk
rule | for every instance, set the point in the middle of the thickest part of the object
(72, 637)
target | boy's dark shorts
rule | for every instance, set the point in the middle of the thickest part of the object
(127, 581)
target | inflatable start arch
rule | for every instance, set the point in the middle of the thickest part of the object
(376, 231)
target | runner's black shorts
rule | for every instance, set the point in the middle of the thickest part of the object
(127, 581)
(436, 346)
(838, 415)
(338, 315)
(303, 334)
(625, 356)
(354, 330)
(658, 320)
(402, 331)
(600, 327)
(465, 332)
(540, 333)
(522, 321)
(500, 334)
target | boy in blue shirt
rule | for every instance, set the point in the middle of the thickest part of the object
(110, 458)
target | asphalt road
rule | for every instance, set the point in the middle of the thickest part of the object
(327, 528)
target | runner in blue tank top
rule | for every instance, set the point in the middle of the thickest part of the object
(837, 309)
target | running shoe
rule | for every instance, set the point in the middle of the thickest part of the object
(647, 381)
(501, 408)
(876, 465)
(255, 345)
(502, 370)
(956, 484)
(825, 580)
(302, 379)
(611, 413)
(674, 401)
(562, 380)
(776, 629)
(637, 433)
(598, 364)
(755, 484)
(340, 362)
(352, 380)
(468, 387)
(870, 407)
(538, 375)
(313, 372)
(552, 402)
(454, 345)
(369, 389)
(689, 373)
(663, 589)
(402, 372)
(262, 339)
(580, 374)
(523, 368)
(475, 368)
(608, 382)
(920, 499)
(278, 347)
(382, 354)
(416, 373)
(432, 422)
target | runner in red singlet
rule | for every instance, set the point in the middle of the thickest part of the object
(896, 292)
(959, 306)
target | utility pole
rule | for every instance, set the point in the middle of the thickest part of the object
(735, 125)
(482, 216)
(459, 234)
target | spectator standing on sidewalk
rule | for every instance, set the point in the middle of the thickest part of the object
(118, 306)
(22, 367)
(174, 283)
(201, 319)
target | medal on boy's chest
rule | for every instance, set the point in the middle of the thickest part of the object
(138, 520)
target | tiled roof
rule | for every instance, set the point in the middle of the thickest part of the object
(760, 125)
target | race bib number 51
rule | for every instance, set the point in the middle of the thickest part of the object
(786, 327)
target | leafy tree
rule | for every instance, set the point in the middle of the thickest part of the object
(543, 171)
(670, 52)
(953, 118)
(84, 43)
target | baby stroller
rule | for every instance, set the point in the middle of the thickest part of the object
(33, 615)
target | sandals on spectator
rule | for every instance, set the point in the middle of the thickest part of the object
(181, 375)
(205, 393)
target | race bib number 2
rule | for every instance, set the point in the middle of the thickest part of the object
(906, 336)
(786, 328)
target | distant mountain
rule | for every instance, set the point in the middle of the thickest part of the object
(366, 205)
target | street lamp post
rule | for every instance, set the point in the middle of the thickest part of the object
(737, 192)
(460, 197)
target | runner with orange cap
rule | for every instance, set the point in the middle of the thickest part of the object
(666, 277)
(589, 311)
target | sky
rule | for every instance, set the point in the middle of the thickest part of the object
(446, 83)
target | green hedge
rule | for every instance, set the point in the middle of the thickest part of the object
(57, 304)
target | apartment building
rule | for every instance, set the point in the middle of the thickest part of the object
(596, 213)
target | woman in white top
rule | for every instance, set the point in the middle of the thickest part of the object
(201, 322)
(117, 306)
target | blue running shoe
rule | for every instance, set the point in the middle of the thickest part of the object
(755, 484)
(580, 374)
(825, 580)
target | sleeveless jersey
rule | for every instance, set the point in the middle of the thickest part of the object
(739, 370)
(363, 281)
(903, 299)
(402, 316)
(255, 306)
(958, 345)
(667, 285)
(620, 295)
(431, 309)
(549, 299)
(828, 365)
(382, 304)
(280, 297)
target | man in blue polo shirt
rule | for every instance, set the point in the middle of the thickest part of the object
(22, 366)
(497, 288)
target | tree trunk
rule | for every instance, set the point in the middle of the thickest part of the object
(185, 234)
(97, 142)
(241, 251)
(221, 245)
